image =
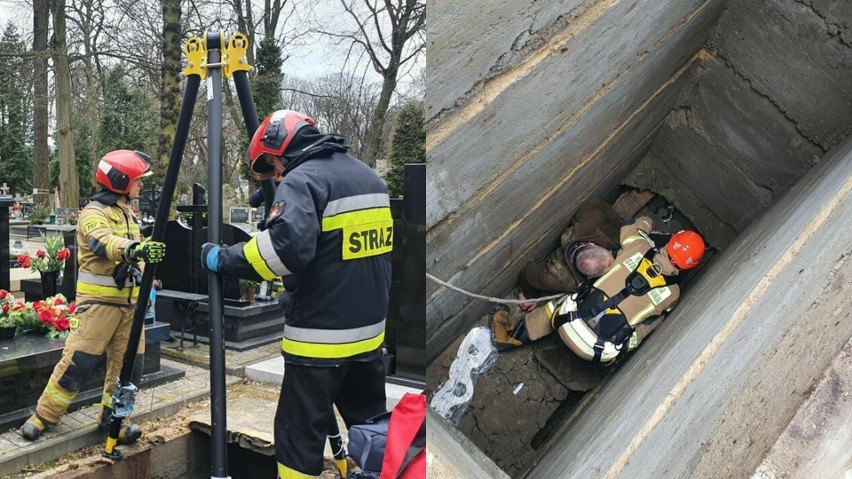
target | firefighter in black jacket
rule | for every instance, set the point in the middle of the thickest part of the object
(328, 234)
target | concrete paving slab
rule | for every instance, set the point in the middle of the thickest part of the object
(271, 371)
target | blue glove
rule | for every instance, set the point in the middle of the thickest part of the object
(210, 257)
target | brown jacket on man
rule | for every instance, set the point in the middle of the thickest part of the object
(596, 222)
(643, 313)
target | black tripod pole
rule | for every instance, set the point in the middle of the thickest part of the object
(252, 123)
(125, 391)
(218, 449)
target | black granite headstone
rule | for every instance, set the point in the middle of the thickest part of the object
(181, 269)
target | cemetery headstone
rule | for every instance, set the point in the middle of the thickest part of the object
(239, 215)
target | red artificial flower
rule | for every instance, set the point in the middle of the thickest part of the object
(62, 324)
(38, 305)
(57, 301)
(3, 293)
(5, 308)
(41, 254)
(73, 308)
(19, 306)
(63, 254)
(45, 316)
(24, 260)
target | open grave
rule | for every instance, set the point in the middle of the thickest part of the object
(735, 113)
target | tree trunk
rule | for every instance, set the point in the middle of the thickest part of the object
(170, 95)
(70, 192)
(373, 142)
(41, 180)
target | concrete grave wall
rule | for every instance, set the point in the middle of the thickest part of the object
(770, 98)
(566, 118)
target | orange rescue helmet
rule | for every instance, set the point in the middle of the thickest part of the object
(685, 249)
(272, 137)
(118, 169)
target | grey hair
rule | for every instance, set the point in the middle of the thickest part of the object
(593, 261)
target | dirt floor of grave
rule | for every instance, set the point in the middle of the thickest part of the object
(512, 429)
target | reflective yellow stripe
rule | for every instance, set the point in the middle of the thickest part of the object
(60, 397)
(331, 351)
(285, 472)
(631, 239)
(641, 315)
(353, 218)
(256, 260)
(111, 292)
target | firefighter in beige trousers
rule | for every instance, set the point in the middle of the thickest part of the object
(110, 250)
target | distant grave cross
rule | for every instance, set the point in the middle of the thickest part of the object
(4, 190)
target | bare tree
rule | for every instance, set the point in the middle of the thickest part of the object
(390, 33)
(41, 14)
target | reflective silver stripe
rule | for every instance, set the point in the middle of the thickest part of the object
(333, 336)
(99, 280)
(357, 202)
(264, 247)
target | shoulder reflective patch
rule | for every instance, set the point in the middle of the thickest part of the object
(658, 295)
(632, 262)
(370, 239)
(645, 235)
(275, 211)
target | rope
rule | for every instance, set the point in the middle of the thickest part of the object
(490, 298)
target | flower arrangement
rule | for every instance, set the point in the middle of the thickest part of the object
(46, 261)
(72, 219)
(53, 317)
(56, 316)
(7, 302)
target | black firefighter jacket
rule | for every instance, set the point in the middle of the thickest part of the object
(329, 235)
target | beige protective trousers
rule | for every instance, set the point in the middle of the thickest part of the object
(102, 330)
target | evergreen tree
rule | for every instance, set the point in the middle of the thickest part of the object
(15, 156)
(409, 146)
(130, 119)
(267, 80)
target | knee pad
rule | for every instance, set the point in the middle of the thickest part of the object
(81, 366)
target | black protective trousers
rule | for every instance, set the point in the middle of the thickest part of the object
(305, 409)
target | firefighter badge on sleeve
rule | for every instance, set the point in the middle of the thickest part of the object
(275, 211)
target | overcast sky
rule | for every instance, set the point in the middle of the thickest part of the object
(316, 58)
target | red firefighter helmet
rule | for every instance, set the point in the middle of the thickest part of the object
(118, 169)
(685, 249)
(272, 137)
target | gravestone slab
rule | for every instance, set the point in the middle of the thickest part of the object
(239, 215)
(27, 361)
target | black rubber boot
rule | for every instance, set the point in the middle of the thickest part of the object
(32, 429)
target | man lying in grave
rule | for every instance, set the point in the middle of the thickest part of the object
(618, 302)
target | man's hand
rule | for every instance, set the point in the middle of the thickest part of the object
(147, 251)
(210, 257)
(527, 307)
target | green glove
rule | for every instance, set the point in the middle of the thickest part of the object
(147, 251)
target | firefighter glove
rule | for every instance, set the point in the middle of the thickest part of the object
(210, 257)
(147, 251)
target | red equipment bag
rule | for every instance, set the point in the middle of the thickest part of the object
(405, 452)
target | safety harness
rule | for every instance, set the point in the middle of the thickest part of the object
(593, 322)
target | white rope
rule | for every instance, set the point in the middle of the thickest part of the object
(490, 298)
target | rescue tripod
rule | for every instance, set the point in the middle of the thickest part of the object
(207, 59)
